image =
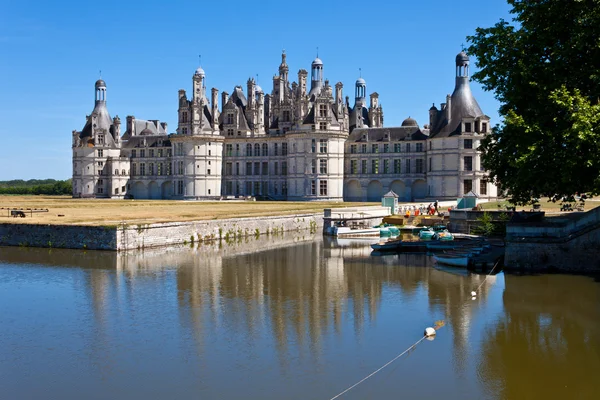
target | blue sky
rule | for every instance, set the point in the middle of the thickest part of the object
(51, 54)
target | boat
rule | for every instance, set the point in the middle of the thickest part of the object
(346, 231)
(390, 245)
(389, 230)
(457, 260)
(426, 233)
(444, 235)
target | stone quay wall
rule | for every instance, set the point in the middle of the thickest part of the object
(466, 220)
(127, 237)
(152, 235)
(571, 246)
(59, 236)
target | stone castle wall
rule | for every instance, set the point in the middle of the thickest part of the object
(59, 236)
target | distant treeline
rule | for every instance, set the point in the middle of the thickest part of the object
(36, 186)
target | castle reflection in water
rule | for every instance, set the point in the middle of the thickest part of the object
(299, 287)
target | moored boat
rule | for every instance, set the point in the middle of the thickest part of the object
(457, 260)
(345, 231)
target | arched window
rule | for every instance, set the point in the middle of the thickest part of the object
(265, 151)
(257, 149)
(249, 150)
(116, 172)
(123, 172)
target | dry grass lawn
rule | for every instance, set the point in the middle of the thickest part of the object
(68, 211)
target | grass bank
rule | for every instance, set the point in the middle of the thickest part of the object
(69, 211)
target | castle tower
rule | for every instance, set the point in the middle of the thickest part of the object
(283, 68)
(197, 152)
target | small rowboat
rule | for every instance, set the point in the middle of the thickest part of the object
(457, 260)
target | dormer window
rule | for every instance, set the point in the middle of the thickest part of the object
(229, 119)
(484, 127)
(322, 110)
(184, 117)
(468, 127)
(100, 139)
(286, 116)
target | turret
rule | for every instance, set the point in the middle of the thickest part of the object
(251, 86)
(283, 68)
(302, 75)
(199, 88)
(316, 74)
(100, 91)
(117, 128)
(360, 90)
(339, 99)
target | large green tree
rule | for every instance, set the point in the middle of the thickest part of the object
(544, 68)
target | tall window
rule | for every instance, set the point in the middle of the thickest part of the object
(363, 148)
(229, 119)
(276, 168)
(229, 149)
(353, 149)
(386, 166)
(468, 183)
(179, 187)
(322, 145)
(323, 166)
(313, 145)
(354, 166)
(374, 166)
(151, 169)
(159, 168)
(133, 153)
(468, 163)
(143, 152)
(483, 187)
(467, 127)
(184, 117)
(363, 167)
(257, 150)
(142, 169)
(248, 150)
(248, 168)
(429, 164)
(265, 149)
(484, 127)
(284, 149)
(386, 147)
(160, 152)
(151, 152)
(283, 169)
(419, 165)
(228, 168)
(237, 168)
(468, 143)
(313, 166)
(100, 153)
(168, 168)
(397, 147)
(275, 149)
(313, 187)
(419, 147)
(375, 148)
(265, 168)
(133, 169)
(407, 167)
(323, 188)
(180, 167)
(256, 168)
(286, 116)
(408, 147)
(322, 110)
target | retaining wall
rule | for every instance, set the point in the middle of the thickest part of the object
(126, 237)
(559, 244)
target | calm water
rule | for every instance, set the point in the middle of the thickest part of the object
(287, 318)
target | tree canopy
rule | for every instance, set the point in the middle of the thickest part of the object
(544, 68)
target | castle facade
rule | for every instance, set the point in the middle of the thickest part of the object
(299, 142)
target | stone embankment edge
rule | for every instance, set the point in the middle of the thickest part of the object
(140, 236)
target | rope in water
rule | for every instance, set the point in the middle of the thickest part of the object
(382, 367)
(487, 276)
(439, 324)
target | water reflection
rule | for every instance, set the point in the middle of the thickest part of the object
(228, 320)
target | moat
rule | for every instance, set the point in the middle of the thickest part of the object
(287, 318)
